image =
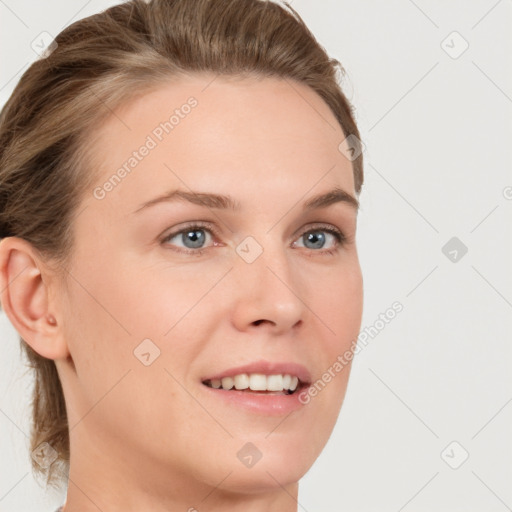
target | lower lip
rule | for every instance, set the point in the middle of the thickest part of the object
(259, 403)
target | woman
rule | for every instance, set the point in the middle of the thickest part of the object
(179, 185)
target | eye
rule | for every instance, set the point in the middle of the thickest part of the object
(316, 239)
(194, 239)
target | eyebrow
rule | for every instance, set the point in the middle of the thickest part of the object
(219, 201)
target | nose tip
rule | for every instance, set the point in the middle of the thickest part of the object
(267, 296)
(274, 323)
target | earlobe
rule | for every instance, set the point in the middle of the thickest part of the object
(24, 297)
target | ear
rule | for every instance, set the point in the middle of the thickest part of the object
(25, 298)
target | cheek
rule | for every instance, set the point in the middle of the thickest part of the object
(341, 305)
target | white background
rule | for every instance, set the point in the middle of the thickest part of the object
(438, 141)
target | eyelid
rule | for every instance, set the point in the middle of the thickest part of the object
(314, 226)
(207, 226)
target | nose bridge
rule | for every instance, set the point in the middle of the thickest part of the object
(268, 286)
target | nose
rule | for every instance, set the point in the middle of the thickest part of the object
(267, 293)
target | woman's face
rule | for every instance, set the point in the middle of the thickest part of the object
(157, 310)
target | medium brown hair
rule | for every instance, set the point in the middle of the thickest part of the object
(99, 63)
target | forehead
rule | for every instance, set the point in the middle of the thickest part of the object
(208, 130)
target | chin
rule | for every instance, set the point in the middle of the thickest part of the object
(270, 464)
(264, 477)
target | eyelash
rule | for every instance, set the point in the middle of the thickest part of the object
(341, 239)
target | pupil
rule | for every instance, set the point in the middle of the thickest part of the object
(192, 236)
(316, 237)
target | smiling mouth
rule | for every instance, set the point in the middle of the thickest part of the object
(277, 384)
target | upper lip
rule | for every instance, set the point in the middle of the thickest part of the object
(266, 368)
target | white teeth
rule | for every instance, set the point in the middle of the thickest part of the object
(241, 381)
(275, 382)
(227, 383)
(257, 382)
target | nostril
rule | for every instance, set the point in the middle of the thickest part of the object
(258, 322)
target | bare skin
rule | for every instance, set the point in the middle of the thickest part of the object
(152, 437)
